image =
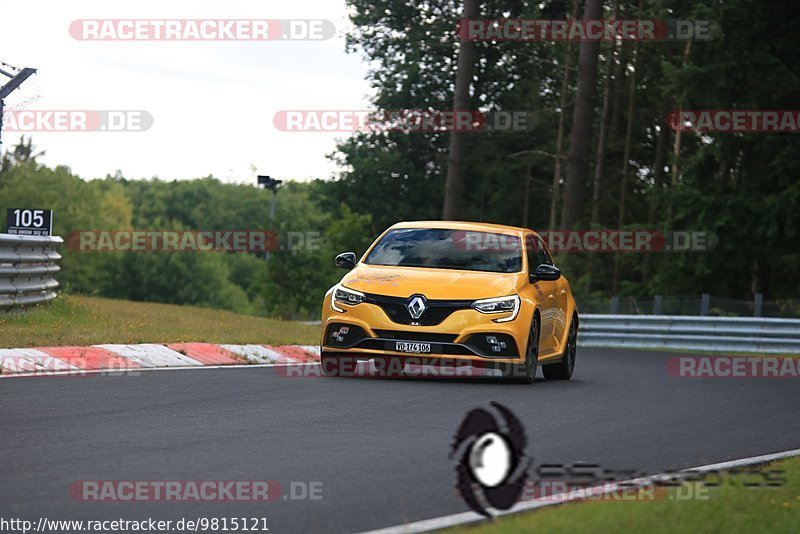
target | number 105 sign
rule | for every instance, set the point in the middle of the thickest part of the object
(29, 222)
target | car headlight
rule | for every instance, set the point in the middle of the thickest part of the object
(342, 295)
(499, 305)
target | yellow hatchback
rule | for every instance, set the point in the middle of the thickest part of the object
(452, 294)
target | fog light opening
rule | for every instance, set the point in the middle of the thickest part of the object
(497, 346)
(339, 335)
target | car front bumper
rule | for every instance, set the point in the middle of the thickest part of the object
(460, 338)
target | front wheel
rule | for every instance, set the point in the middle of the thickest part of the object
(526, 372)
(563, 370)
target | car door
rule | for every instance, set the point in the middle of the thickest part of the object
(546, 296)
(560, 303)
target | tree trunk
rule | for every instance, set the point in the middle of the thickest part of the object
(582, 123)
(555, 198)
(626, 155)
(676, 147)
(605, 122)
(660, 160)
(454, 184)
(527, 202)
(623, 193)
(602, 142)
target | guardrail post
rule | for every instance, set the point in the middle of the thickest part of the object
(657, 305)
(705, 301)
(757, 304)
(614, 305)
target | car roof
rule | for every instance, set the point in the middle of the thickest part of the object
(462, 225)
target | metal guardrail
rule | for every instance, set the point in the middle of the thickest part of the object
(680, 332)
(704, 305)
(27, 270)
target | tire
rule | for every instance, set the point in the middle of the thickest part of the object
(336, 366)
(563, 370)
(526, 373)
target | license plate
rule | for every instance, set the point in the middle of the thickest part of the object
(413, 348)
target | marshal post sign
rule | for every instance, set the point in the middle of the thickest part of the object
(29, 222)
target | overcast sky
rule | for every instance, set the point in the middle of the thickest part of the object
(212, 102)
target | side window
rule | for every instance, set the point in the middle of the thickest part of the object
(544, 253)
(537, 253)
(534, 251)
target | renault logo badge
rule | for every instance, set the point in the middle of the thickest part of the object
(416, 307)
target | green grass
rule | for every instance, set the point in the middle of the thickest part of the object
(729, 508)
(75, 320)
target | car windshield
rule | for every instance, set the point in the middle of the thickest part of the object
(448, 249)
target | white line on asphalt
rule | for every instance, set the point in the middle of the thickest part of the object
(133, 370)
(465, 518)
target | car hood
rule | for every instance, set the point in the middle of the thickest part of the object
(435, 284)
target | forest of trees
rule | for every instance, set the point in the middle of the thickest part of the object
(289, 286)
(599, 156)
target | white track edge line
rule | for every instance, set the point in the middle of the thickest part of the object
(133, 370)
(465, 518)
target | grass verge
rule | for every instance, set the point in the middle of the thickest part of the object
(75, 320)
(731, 507)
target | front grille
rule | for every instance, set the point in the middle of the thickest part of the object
(437, 311)
(416, 336)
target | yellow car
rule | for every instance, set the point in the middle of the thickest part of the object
(452, 293)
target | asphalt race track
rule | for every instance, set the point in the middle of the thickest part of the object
(379, 446)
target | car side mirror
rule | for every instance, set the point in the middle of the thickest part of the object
(548, 273)
(346, 260)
